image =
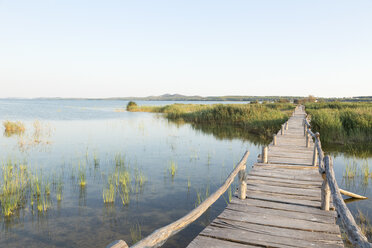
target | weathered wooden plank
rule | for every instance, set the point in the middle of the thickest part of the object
(284, 190)
(204, 241)
(283, 206)
(255, 238)
(278, 231)
(249, 209)
(282, 199)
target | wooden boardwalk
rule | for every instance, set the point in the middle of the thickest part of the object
(282, 208)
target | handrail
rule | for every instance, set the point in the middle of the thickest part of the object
(354, 233)
(330, 186)
(159, 236)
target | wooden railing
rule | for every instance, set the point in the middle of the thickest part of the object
(159, 236)
(330, 187)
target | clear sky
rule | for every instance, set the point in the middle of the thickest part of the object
(78, 48)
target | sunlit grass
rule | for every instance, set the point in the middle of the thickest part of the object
(172, 168)
(200, 196)
(350, 170)
(109, 192)
(82, 176)
(13, 127)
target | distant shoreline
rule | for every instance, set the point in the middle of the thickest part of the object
(178, 97)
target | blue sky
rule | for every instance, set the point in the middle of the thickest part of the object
(138, 48)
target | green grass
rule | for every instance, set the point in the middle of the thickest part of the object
(109, 193)
(82, 176)
(264, 119)
(342, 123)
(350, 170)
(172, 168)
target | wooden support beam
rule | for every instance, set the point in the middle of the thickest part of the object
(264, 154)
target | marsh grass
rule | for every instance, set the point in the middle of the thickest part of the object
(201, 196)
(109, 193)
(82, 175)
(172, 168)
(350, 170)
(342, 123)
(13, 127)
(135, 233)
(258, 118)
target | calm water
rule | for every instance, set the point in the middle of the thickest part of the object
(88, 136)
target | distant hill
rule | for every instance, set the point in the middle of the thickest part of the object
(179, 97)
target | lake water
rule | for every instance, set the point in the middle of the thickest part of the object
(65, 139)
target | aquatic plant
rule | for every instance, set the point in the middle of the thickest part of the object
(95, 160)
(139, 179)
(82, 176)
(14, 186)
(59, 190)
(109, 193)
(200, 197)
(135, 233)
(172, 168)
(350, 170)
(13, 127)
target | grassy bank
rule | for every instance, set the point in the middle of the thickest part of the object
(263, 119)
(348, 124)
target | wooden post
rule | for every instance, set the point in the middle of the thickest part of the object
(274, 140)
(286, 125)
(264, 154)
(315, 154)
(282, 130)
(243, 183)
(304, 128)
(307, 140)
(326, 194)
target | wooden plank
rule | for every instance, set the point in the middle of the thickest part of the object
(249, 209)
(283, 206)
(284, 190)
(278, 231)
(204, 241)
(282, 199)
(255, 238)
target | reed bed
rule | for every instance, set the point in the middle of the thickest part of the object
(341, 122)
(255, 118)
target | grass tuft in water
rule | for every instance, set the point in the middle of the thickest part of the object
(13, 127)
(172, 168)
(135, 233)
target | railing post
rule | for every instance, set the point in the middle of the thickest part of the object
(307, 140)
(286, 125)
(274, 140)
(326, 194)
(315, 153)
(243, 183)
(264, 154)
(282, 130)
(304, 127)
